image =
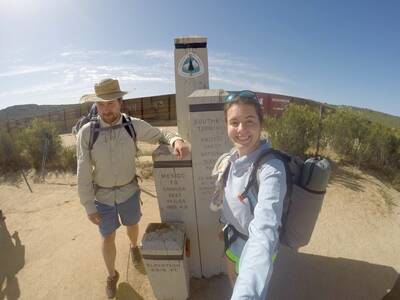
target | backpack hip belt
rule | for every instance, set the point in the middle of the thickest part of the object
(231, 234)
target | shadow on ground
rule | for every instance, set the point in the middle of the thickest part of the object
(346, 177)
(14, 179)
(126, 292)
(312, 277)
(216, 287)
(394, 293)
(305, 276)
(12, 259)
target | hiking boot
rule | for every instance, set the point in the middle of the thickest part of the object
(111, 288)
(136, 256)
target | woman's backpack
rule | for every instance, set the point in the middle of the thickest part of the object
(306, 185)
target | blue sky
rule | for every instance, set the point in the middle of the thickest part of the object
(339, 52)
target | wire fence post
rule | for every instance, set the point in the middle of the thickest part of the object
(44, 158)
(319, 128)
(26, 180)
(8, 126)
(65, 121)
(169, 108)
(141, 109)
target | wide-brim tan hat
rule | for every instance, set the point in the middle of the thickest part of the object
(106, 90)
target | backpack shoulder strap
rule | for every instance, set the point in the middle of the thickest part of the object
(221, 164)
(126, 120)
(95, 129)
(254, 178)
(222, 167)
(260, 160)
(94, 132)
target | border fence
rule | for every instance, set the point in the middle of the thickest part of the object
(153, 109)
(150, 109)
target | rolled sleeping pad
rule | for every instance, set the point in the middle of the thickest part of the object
(306, 203)
(315, 174)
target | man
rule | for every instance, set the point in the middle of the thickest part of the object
(107, 184)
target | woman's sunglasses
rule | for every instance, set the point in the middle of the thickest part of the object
(245, 94)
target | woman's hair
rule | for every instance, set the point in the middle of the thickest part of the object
(244, 99)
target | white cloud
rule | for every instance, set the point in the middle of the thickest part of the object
(73, 73)
(31, 90)
(82, 54)
(236, 71)
(161, 54)
(149, 53)
(134, 77)
(23, 70)
(109, 68)
(242, 84)
(127, 52)
(227, 61)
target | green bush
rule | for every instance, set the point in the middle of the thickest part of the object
(396, 182)
(364, 143)
(10, 160)
(31, 142)
(347, 134)
(67, 159)
(380, 147)
(295, 131)
(360, 141)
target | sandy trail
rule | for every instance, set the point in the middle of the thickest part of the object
(49, 249)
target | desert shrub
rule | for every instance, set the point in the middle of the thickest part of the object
(396, 182)
(295, 131)
(10, 160)
(364, 143)
(380, 148)
(67, 159)
(31, 142)
(393, 144)
(347, 133)
(360, 141)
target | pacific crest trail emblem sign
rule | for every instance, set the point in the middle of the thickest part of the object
(190, 66)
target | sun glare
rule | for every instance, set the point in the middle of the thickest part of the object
(18, 7)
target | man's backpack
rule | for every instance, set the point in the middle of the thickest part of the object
(85, 119)
(306, 184)
(95, 128)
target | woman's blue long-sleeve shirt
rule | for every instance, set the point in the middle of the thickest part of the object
(255, 267)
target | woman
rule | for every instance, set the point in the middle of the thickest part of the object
(252, 219)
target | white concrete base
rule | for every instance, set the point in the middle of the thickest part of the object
(165, 261)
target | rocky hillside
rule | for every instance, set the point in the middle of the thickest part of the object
(18, 112)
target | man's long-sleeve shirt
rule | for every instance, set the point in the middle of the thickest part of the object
(111, 162)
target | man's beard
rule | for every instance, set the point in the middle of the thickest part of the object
(110, 117)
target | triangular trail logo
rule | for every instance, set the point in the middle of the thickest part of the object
(190, 65)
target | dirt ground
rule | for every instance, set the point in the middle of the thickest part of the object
(49, 249)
